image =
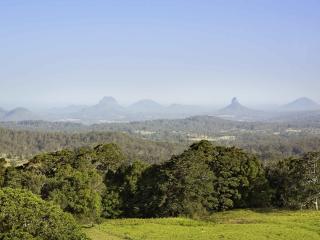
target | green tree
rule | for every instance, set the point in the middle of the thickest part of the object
(77, 192)
(181, 186)
(202, 179)
(108, 157)
(188, 188)
(23, 215)
(121, 189)
(149, 195)
(239, 178)
(296, 181)
(69, 178)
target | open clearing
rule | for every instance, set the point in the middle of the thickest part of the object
(238, 224)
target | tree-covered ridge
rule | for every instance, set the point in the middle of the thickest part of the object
(26, 144)
(155, 141)
(196, 124)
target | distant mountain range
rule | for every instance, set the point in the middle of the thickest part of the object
(286, 113)
(109, 110)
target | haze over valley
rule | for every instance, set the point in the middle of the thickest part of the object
(109, 110)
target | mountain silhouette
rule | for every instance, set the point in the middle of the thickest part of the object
(107, 109)
(19, 114)
(302, 104)
(235, 108)
(236, 111)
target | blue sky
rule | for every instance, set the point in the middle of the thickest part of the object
(196, 52)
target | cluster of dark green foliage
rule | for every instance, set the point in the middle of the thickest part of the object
(203, 179)
(73, 179)
(100, 182)
(296, 181)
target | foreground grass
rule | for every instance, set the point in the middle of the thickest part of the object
(239, 225)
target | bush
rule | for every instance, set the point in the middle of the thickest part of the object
(23, 215)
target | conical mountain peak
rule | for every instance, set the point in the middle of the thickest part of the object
(302, 104)
(235, 108)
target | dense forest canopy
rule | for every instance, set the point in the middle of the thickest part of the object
(93, 183)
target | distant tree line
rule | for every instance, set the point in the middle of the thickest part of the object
(23, 144)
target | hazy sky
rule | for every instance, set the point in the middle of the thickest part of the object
(189, 51)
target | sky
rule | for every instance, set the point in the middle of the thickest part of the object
(55, 53)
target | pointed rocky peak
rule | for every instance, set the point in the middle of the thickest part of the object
(235, 102)
(235, 108)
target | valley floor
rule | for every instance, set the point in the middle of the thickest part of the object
(238, 224)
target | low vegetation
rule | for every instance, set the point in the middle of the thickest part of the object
(236, 224)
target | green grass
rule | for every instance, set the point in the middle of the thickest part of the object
(239, 225)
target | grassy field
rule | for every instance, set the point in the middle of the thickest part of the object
(239, 225)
